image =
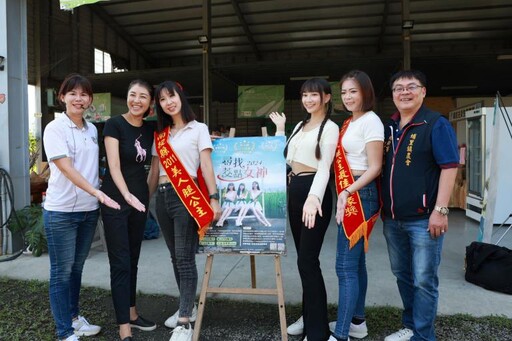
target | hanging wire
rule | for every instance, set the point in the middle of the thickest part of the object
(7, 209)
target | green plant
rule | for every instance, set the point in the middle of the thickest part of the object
(29, 220)
(33, 151)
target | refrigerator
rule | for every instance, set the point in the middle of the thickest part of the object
(480, 134)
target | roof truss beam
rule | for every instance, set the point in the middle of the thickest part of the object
(247, 31)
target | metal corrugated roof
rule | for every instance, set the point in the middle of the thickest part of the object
(456, 42)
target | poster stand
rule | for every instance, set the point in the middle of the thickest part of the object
(253, 290)
(206, 289)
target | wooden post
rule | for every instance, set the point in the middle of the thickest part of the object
(202, 296)
(253, 271)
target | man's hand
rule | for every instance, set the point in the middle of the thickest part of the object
(437, 224)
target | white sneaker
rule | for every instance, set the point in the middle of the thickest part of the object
(82, 327)
(331, 338)
(172, 321)
(358, 331)
(72, 338)
(297, 327)
(403, 334)
(181, 333)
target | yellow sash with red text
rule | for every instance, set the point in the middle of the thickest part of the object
(354, 223)
(188, 191)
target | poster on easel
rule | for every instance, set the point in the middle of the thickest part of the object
(251, 180)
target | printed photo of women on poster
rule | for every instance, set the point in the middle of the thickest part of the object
(251, 180)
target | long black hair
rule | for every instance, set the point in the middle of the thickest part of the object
(165, 120)
(321, 86)
(238, 192)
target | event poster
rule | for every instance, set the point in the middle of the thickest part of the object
(100, 109)
(259, 100)
(251, 179)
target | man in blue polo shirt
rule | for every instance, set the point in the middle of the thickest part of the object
(420, 165)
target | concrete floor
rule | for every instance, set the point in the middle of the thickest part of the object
(155, 272)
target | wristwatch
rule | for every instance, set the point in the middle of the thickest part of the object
(214, 196)
(442, 210)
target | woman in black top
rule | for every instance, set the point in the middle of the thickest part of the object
(128, 140)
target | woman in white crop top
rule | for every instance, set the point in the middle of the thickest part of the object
(309, 152)
(361, 140)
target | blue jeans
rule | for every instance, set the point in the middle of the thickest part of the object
(180, 233)
(415, 257)
(69, 236)
(351, 268)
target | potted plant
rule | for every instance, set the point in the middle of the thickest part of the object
(29, 222)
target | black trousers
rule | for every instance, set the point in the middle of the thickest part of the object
(308, 243)
(124, 231)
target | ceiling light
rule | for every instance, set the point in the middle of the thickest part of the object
(407, 24)
(504, 57)
(203, 39)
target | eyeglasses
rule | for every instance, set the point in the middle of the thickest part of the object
(409, 88)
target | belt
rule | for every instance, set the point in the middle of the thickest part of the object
(162, 180)
(301, 173)
(164, 186)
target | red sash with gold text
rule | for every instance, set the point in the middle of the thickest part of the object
(354, 223)
(184, 185)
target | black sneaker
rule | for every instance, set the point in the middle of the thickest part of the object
(143, 324)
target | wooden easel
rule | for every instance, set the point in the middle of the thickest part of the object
(253, 290)
(207, 289)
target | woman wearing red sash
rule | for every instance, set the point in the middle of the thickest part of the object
(182, 145)
(310, 151)
(357, 163)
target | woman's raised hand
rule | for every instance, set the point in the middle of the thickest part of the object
(279, 120)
